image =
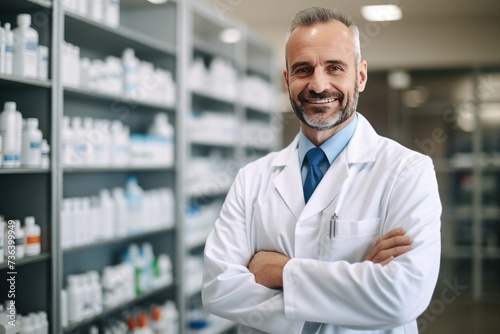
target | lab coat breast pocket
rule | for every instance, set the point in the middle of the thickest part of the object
(348, 240)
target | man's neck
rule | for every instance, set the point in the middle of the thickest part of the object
(318, 137)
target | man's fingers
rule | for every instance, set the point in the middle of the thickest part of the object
(401, 240)
(388, 244)
(387, 261)
(392, 233)
(382, 256)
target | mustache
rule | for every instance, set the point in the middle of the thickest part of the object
(323, 95)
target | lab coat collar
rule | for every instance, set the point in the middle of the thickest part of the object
(363, 145)
(361, 148)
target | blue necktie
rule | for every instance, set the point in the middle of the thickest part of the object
(313, 159)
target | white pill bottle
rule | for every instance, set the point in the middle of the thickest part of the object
(25, 48)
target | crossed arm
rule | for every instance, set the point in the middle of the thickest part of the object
(268, 266)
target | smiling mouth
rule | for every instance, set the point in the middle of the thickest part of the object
(322, 101)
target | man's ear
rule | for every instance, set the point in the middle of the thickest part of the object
(285, 77)
(362, 75)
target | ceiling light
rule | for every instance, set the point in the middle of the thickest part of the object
(381, 13)
(157, 2)
(230, 35)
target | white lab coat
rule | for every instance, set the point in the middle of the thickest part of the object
(374, 186)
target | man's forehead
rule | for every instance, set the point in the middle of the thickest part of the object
(320, 37)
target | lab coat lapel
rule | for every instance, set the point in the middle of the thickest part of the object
(361, 148)
(288, 182)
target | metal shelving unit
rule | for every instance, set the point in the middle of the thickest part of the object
(30, 191)
(463, 156)
(39, 192)
(98, 40)
(204, 26)
(169, 36)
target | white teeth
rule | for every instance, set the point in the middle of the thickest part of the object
(323, 101)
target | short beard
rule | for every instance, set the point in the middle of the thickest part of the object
(322, 124)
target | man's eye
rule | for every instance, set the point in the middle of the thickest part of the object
(335, 68)
(303, 70)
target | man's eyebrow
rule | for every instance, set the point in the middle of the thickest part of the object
(299, 64)
(329, 62)
(337, 62)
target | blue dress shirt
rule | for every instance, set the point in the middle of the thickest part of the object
(332, 147)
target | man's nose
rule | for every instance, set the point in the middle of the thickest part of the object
(319, 82)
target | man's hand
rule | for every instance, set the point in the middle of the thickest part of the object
(268, 268)
(390, 245)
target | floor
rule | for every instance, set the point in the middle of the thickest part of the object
(460, 316)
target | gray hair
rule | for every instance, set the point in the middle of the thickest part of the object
(313, 15)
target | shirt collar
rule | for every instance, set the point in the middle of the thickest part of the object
(332, 146)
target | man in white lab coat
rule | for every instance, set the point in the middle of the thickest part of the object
(345, 239)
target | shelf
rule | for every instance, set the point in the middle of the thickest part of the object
(193, 284)
(255, 68)
(130, 4)
(27, 5)
(467, 162)
(196, 241)
(130, 237)
(448, 165)
(491, 212)
(121, 306)
(257, 109)
(21, 81)
(259, 55)
(210, 96)
(262, 147)
(212, 49)
(212, 142)
(221, 326)
(457, 252)
(194, 289)
(206, 190)
(491, 253)
(117, 169)
(89, 94)
(42, 3)
(466, 252)
(465, 212)
(435, 108)
(25, 260)
(90, 34)
(24, 170)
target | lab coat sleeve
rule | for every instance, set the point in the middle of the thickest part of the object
(229, 289)
(367, 295)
